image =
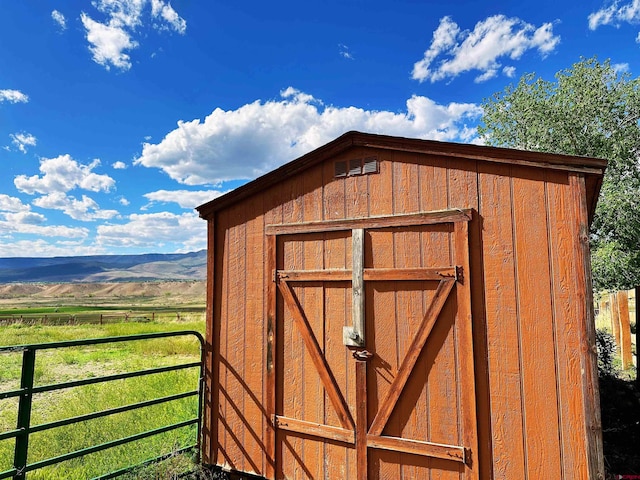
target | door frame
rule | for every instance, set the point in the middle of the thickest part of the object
(358, 432)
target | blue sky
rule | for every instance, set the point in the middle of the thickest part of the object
(118, 117)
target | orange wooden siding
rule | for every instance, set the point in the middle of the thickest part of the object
(527, 307)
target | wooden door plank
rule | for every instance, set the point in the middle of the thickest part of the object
(290, 386)
(372, 222)
(384, 412)
(313, 448)
(416, 447)
(464, 348)
(354, 335)
(270, 387)
(408, 274)
(409, 418)
(381, 304)
(369, 274)
(314, 429)
(310, 341)
(334, 275)
(362, 464)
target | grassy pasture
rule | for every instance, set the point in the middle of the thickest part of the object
(67, 364)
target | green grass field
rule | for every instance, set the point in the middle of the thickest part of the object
(67, 364)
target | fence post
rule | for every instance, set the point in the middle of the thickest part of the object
(625, 329)
(24, 413)
(615, 319)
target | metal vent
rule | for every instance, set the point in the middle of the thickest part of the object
(370, 165)
(356, 166)
(340, 169)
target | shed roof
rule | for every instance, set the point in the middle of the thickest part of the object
(593, 168)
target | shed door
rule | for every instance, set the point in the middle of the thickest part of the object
(371, 364)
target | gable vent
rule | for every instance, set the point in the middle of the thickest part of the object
(356, 166)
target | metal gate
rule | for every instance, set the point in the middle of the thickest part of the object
(24, 428)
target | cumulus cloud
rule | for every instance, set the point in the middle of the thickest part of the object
(108, 43)
(187, 232)
(23, 140)
(25, 218)
(28, 228)
(13, 96)
(454, 51)
(119, 165)
(171, 19)
(85, 209)
(255, 138)
(45, 248)
(615, 14)
(59, 19)
(110, 40)
(184, 198)
(12, 204)
(62, 174)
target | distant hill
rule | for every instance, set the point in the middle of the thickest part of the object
(105, 268)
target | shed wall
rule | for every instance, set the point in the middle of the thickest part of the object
(528, 304)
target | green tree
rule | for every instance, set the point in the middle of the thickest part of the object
(593, 110)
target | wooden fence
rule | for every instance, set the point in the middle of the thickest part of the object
(617, 309)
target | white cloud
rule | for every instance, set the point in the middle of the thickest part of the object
(614, 14)
(620, 67)
(344, 52)
(23, 140)
(453, 51)
(171, 18)
(62, 174)
(509, 71)
(123, 201)
(12, 204)
(59, 19)
(218, 149)
(13, 96)
(111, 40)
(155, 230)
(108, 43)
(44, 248)
(184, 198)
(119, 165)
(11, 227)
(26, 218)
(85, 209)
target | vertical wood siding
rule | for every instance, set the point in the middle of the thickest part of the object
(527, 281)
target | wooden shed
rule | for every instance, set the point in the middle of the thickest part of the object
(392, 308)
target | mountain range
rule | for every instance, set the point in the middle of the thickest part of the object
(105, 268)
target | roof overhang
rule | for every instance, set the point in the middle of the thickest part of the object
(592, 168)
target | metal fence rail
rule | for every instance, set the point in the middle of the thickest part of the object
(27, 391)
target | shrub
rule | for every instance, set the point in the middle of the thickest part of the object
(607, 351)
